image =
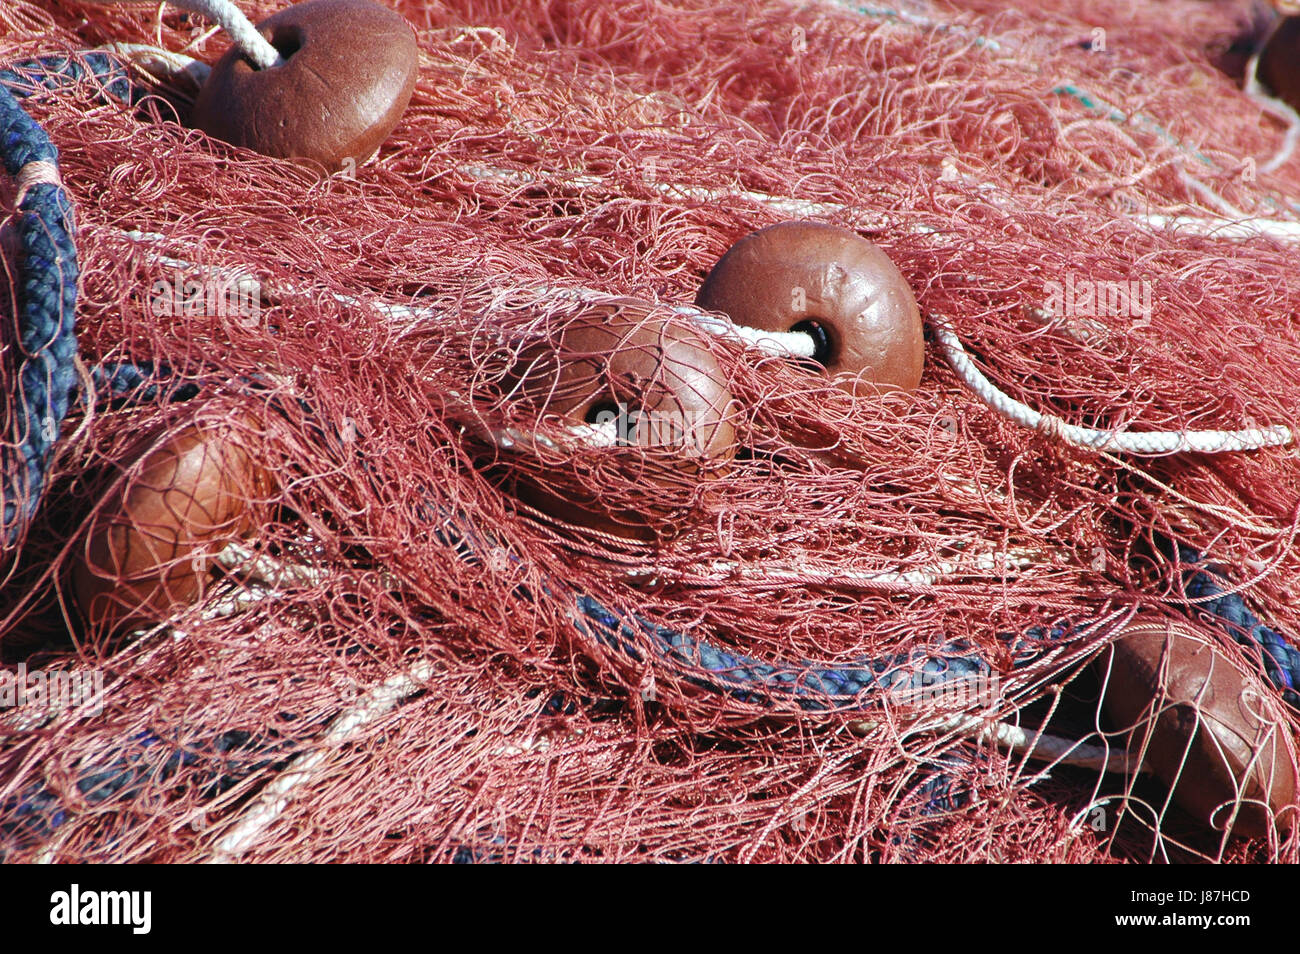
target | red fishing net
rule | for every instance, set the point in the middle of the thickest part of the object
(392, 667)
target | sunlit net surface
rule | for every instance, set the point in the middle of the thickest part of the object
(361, 684)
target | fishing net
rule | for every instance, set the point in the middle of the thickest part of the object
(417, 651)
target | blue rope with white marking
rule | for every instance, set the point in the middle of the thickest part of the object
(47, 279)
(47, 302)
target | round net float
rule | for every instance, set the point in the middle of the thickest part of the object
(151, 544)
(833, 285)
(1203, 727)
(1279, 62)
(617, 376)
(349, 69)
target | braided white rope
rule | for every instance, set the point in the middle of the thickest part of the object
(1128, 442)
(799, 344)
(274, 799)
(796, 344)
(786, 344)
(241, 31)
(1000, 565)
(1231, 228)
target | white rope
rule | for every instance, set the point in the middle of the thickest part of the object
(1242, 229)
(1128, 442)
(275, 798)
(1032, 744)
(279, 574)
(582, 435)
(786, 344)
(1041, 746)
(802, 345)
(1232, 228)
(241, 31)
(980, 565)
(580, 182)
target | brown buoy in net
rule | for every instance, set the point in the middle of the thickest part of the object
(615, 375)
(832, 284)
(1212, 733)
(151, 544)
(349, 68)
(1279, 62)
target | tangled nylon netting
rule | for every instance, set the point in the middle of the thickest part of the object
(414, 654)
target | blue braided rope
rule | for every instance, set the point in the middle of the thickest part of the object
(857, 685)
(810, 686)
(47, 283)
(120, 384)
(106, 72)
(47, 278)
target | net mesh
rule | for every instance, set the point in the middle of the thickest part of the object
(622, 148)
